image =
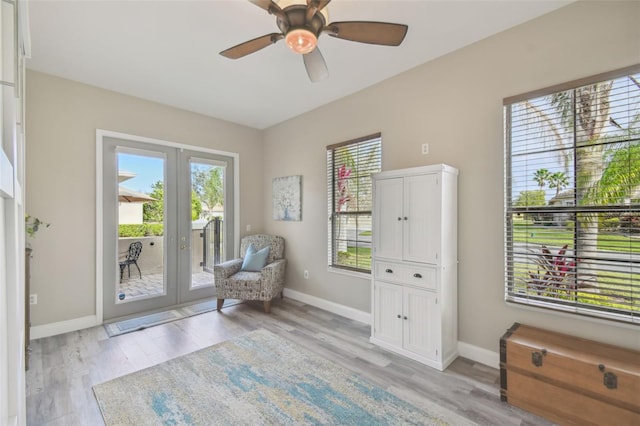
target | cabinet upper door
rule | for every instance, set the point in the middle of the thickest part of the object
(422, 223)
(388, 218)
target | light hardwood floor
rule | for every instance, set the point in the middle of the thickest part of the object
(64, 368)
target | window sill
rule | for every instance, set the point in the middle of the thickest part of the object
(574, 316)
(347, 272)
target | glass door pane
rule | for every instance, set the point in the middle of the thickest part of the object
(207, 219)
(141, 221)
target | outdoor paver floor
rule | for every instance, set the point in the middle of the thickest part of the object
(152, 284)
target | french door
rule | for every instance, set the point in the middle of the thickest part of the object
(157, 200)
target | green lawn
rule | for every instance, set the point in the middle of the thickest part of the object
(356, 257)
(557, 236)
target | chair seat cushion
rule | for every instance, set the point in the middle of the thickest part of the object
(244, 280)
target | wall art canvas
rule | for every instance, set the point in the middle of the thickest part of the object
(287, 198)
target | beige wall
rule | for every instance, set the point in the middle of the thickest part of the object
(62, 118)
(454, 104)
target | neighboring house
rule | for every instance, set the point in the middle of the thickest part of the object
(563, 199)
(130, 202)
(217, 210)
(566, 199)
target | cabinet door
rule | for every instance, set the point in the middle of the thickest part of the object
(387, 313)
(421, 325)
(388, 219)
(422, 224)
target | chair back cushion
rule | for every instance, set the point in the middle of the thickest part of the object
(260, 241)
(255, 260)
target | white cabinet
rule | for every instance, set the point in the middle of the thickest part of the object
(414, 288)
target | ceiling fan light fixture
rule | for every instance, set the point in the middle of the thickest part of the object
(301, 40)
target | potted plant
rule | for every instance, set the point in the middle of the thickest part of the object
(33, 224)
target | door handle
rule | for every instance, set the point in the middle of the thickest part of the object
(389, 271)
(183, 246)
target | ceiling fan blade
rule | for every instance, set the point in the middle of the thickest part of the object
(273, 9)
(243, 49)
(267, 5)
(315, 65)
(314, 6)
(384, 33)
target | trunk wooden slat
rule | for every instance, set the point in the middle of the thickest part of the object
(568, 379)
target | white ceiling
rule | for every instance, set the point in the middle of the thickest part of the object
(167, 51)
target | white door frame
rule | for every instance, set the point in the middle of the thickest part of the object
(100, 136)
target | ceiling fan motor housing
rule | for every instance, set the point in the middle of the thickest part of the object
(296, 16)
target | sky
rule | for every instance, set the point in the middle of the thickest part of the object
(148, 171)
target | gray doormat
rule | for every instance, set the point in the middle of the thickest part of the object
(146, 321)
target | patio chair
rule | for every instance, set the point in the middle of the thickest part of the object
(257, 275)
(132, 256)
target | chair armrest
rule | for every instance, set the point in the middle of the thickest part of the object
(274, 272)
(224, 270)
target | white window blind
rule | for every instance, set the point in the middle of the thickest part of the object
(572, 197)
(349, 168)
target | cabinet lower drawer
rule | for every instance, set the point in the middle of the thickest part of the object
(417, 276)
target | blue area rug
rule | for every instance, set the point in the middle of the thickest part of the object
(146, 321)
(256, 379)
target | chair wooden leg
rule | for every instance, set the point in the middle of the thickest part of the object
(220, 303)
(267, 306)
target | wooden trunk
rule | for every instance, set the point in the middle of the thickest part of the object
(569, 380)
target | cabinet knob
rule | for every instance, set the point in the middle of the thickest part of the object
(406, 218)
(399, 316)
(405, 318)
(399, 218)
(417, 275)
(389, 271)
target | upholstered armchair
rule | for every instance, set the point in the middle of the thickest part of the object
(257, 275)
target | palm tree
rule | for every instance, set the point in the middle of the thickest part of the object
(586, 111)
(559, 181)
(591, 111)
(541, 176)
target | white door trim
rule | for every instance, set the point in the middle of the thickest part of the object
(100, 136)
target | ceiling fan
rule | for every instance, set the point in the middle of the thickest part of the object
(301, 25)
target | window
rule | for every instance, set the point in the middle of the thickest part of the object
(349, 168)
(572, 197)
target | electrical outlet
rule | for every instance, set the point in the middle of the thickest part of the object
(306, 274)
(33, 299)
(425, 148)
(248, 228)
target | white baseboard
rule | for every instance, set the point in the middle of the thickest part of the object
(53, 329)
(466, 350)
(478, 354)
(336, 308)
